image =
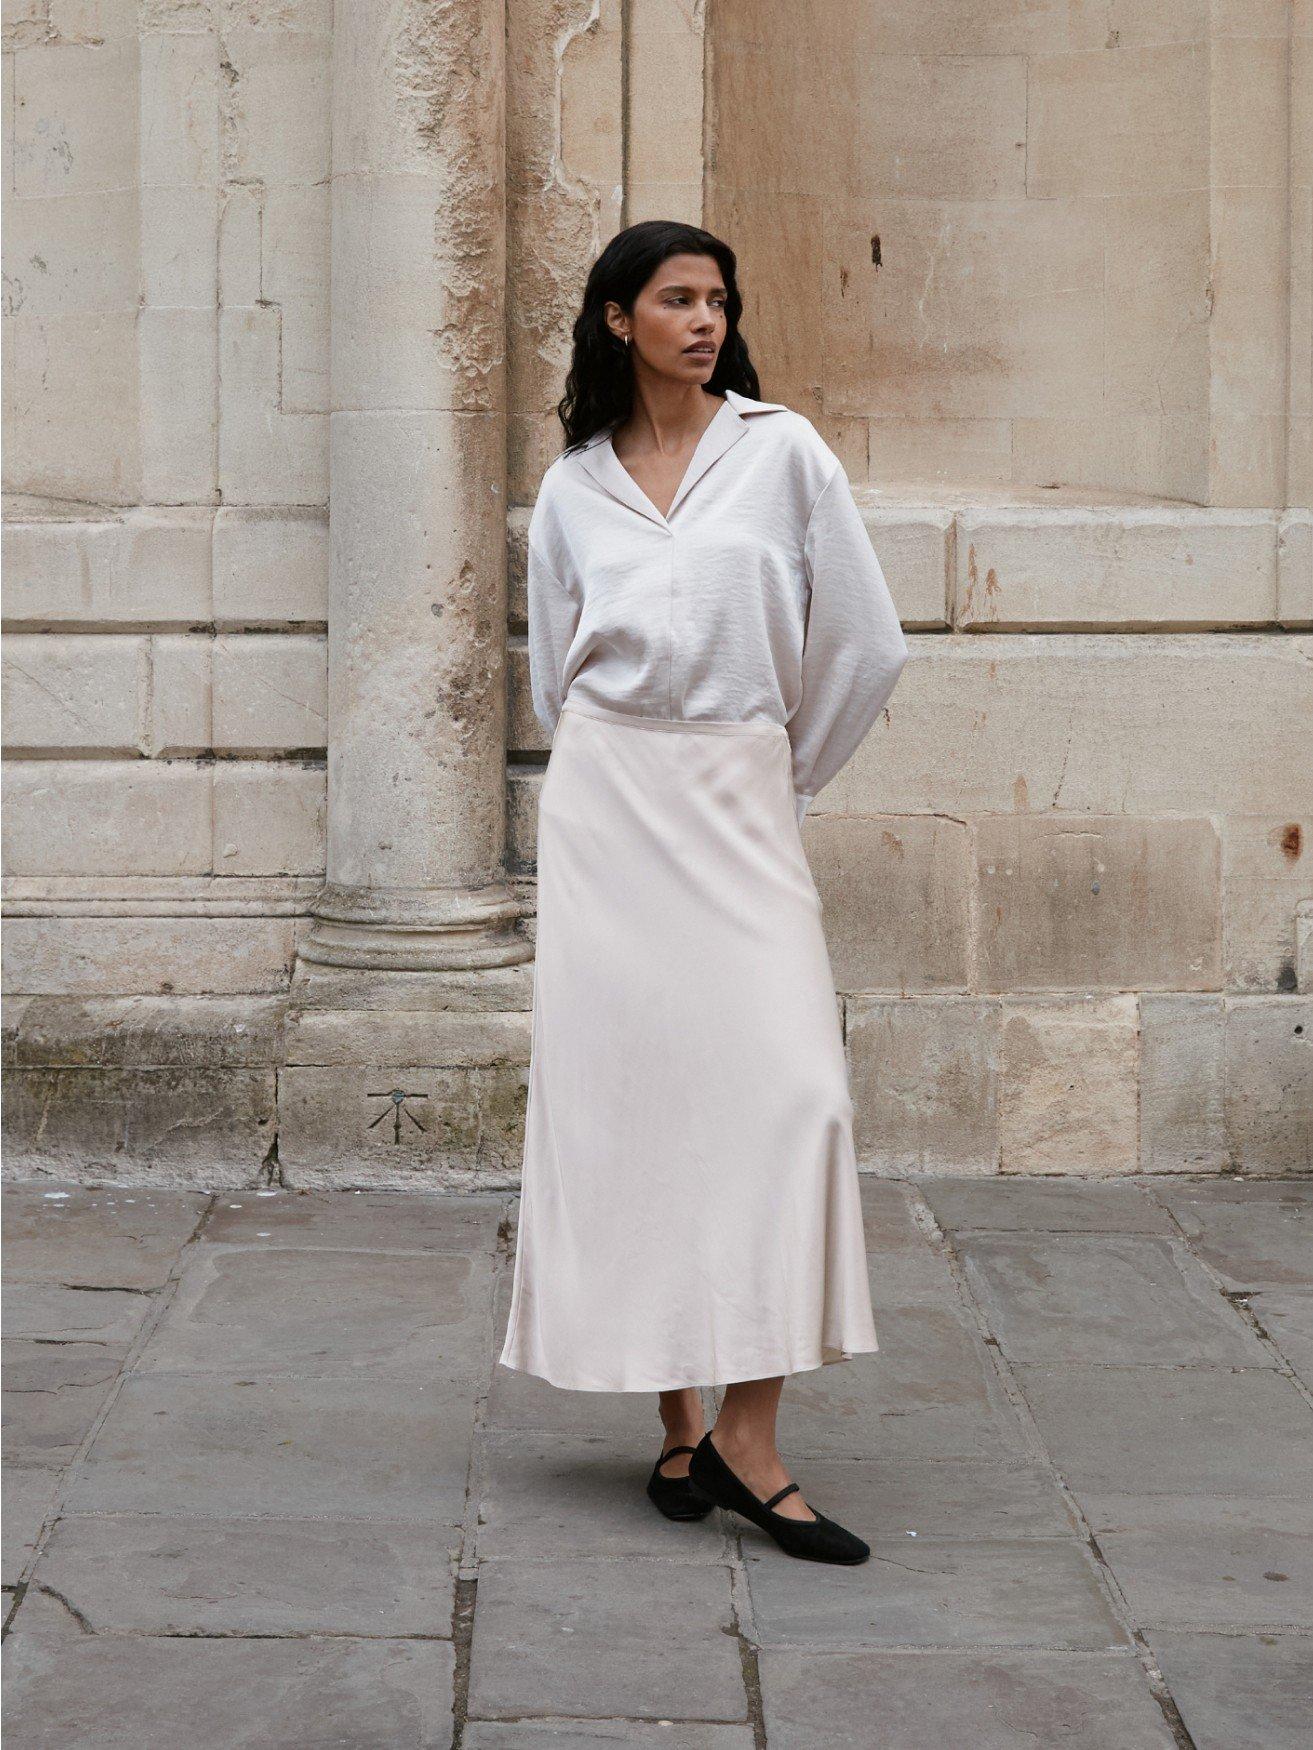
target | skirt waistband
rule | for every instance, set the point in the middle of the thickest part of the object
(701, 726)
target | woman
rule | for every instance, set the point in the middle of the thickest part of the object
(710, 638)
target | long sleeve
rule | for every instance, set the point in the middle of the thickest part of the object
(854, 649)
(553, 621)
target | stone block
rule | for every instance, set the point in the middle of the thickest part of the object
(73, 401)
(451, 1039)
(149, 566)
(269, 819)
(1287, 1319)
(924, 1082)
(1069, 1088)
(53, 1392)
(1267, 871)
(1182, 1084)
(1133, 121)
(96, 1238)
(1087, 902)
(281, 113)
(367, 1221)
(1044, 1206)
(341, 1313)
(914, 548)
(1051, 1298)
(74, 695)
(1269, 1084)
(1239, 1692)
(895, 894)
(1295, 569)
(1254, 1236)
(1174, 1430)
(296, 225)
(31, 1498)
(94, 817)
(148, 956)
(48, 244)
(270, 693)
(1156, 369)
(460, 1127)
(994, 1701)
(935, 1592)
(267, 457)
(335, 1449)
(1116, 567)
(180, 91)
(179, 226)
(560, 1498)
(179, 1126)
(270, 565)
(52, 1313)
(147, 1689)
(179, 384)
(571, 1734)
(69, 136)
(147, 1574)
(180, 697)
(615, 1666)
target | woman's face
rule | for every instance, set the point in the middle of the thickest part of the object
(678, 324)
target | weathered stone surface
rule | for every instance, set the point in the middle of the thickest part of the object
(375, 1314)
(1066, 1297)
(378, 1694)
(930, 1392)
(145, 565)
(68, 694)
(153, 1574)
(1199, 1562)
(270, 564)
(1267, 870)
(1288, 1321)
(604, 1612)
(322, 1449)
(905, 1268)
(270, 693)
(1242, 1692)
(1269, 1084)
(995, 1701)
(30, 1499)
(1068, 1087)
(368, 1221)
(95, 1238)
(269, 818)
(1005, 1206)
(53, 1392)
(167, 1123)
(455, 1039)
(1254, 1236)
(1182, 1084)
(568, 1734)
(1181, 1430)
(147, 956)
(1098, 902)
(567, 1497)
(895, 895)
(924, 1078)
(52, 1314)
(88, 817)
(934, 1593)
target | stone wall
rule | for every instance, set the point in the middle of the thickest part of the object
(1068, 886)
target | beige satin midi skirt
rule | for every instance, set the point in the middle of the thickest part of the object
(689, 1204)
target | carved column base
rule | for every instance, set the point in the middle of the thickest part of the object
(382, 929)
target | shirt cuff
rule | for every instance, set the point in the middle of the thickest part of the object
(801, 804)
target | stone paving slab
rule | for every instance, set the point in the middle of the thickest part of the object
(1063, 1297)
(252, 1447)
(30, 1497)
(1174, 1431)
(337, 1312)
(373, 1221)
(1255, 1235)
(930, 1392)
(1240, 1692)
(96, 1238)
(560, 1497)
(65, 1690)
(56, 1314)
(588, 1734)
(53, 1392)
(605, 1639)
(1198, 1562)
(161, 1575)
(1288, 1321)
(938, 1701)
(1003, 1592)
(1052, 1206)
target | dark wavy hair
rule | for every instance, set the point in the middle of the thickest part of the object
(599, 387)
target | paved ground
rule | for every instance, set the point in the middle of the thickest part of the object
(266, 1487)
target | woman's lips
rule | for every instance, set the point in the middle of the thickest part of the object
(702, 351)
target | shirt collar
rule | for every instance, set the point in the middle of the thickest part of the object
(728, 424)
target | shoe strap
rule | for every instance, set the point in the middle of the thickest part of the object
(673, 1450)
(780, 1494)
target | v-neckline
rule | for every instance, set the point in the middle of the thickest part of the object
(686, 479)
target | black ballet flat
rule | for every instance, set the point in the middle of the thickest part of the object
(813, 1540)
(677, 1497)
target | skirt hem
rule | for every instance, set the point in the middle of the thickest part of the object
(761, 1371)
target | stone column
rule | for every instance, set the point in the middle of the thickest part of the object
(417, 518)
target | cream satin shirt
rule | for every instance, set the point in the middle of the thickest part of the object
(757, 596)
